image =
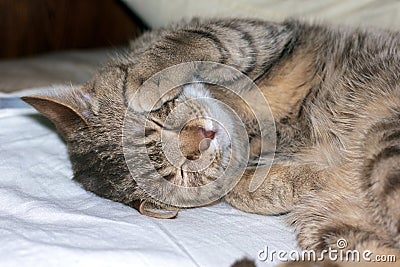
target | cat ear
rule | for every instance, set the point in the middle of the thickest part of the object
(66, 119)
(153, 210)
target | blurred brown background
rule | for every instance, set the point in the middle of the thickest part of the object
(30, 27)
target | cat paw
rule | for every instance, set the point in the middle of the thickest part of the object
(147, 99)
(148, 89)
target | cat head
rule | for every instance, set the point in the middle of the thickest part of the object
(102, 142)
(189, 142)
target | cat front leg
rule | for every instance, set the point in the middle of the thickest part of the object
(249, 46)
(279, 192)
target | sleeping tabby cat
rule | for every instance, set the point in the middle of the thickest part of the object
(335, 97)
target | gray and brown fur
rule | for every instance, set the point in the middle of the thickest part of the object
(335, 97)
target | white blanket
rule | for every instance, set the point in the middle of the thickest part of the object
(46, 219)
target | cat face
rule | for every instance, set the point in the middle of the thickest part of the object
(192, 137)
(188, 141)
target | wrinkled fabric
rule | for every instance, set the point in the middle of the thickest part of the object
(47, 219)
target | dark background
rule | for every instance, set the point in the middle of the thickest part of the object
(30, 27)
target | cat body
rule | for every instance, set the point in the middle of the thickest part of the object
(334, 94)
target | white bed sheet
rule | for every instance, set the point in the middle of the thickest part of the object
(46, 219)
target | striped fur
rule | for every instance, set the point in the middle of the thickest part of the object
(335, 97)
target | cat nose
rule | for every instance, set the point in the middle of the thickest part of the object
(193, 140)
(205, 138)
(209, 134)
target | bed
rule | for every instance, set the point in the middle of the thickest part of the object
(46, 219)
